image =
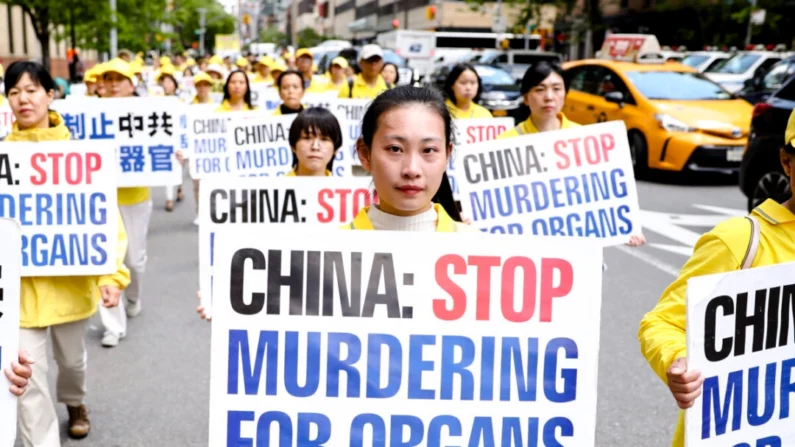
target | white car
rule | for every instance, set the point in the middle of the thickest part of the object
(743, 66)
(706, 60)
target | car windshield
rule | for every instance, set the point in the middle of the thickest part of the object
(694, 60)
(493, 76)
(677, 86)
(737, 64)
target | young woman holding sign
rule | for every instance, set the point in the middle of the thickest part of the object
(291, 91)
(544, 88)
(764, 238)
(237, 93)
(62, 304)
(406, 142)
(315, 137)
(463, 89)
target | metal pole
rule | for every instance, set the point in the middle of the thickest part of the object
(748, 31)
(202, 24)
(114, 44)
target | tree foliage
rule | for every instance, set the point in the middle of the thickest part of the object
(308, 38)
(273, 35)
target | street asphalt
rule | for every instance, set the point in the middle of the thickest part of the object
(153, 389)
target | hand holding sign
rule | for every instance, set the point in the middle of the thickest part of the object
(19, 373)
(684, 385)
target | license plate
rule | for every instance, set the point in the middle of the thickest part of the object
(734, 154)
(500, 113)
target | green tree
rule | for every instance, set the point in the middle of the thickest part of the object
(273, 35)
(185, 19)
(308, 38)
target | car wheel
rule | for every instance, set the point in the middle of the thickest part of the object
(639, 153)
(773, 185)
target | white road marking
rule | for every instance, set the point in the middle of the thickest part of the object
(651, 260)
(672, 226)
(721, 210)
(678, 249)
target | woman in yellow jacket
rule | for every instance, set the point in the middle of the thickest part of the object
(237, 93)
(725, 248)
(315, 138)
(406, 144)
(291, 91)
(135, 205)
(463, 89)
(61, 304)
(544, 89)
(203, 84)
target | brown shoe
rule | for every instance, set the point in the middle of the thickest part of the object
(79, 426)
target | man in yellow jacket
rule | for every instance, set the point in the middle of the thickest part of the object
(135, 205)
(369, 83)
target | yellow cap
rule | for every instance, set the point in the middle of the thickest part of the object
(241, 62)
(789, 134)
(215, 60)
(303, 52)
(165, 60)
(91, 74)
(191, 62)
(202, 77)
(117, 66)
(279, 66)
(266, 61)
(215, 68)
(341, 61)
(137, 66)
(165, 70)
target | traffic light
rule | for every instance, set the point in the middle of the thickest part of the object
(246, 19)
(430, 12)
(505, 44)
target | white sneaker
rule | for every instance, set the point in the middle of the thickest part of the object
(111, 339)
(196, 221)
(133, 308)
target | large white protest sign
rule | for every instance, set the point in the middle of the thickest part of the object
(470, 131)
(6, 118)
(574, 183)
(63, 194)
(374, 338)
(207, 142)
(10, 249)
(741, 336)
(144, 131)
(261, 146)
(264, 96)
(267, 201)
(325, 100)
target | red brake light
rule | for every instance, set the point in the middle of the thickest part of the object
(761, 108)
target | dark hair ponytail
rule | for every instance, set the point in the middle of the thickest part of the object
(431, 98)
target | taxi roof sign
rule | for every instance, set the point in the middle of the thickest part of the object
(628, 47)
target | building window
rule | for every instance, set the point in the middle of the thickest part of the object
(10, 29)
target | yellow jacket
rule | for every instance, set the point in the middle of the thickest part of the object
(361, 90)
(662, 331)
(47, 301)
(475, 111)
(444, 223)
(227, 107)
(527, 126)
(294, 174)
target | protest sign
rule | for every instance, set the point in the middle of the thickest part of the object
(350, 109)
(10, 241)
(576, 183)
(260, 146)
(207, 142)
(374, 338)
(325, 100)
(740, 335)
(247, 202)
(6, 118)
(63, 194)
(469, 131)
(144, 132)
(264, 96)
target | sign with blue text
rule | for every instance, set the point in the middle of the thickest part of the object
(374, 338)
(741, 336)
(145, 132)
(63, 195)
(470, 131)
(577, 183)
(10, 243)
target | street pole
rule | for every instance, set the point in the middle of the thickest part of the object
(114, 44)
(748, 31)
(202, 24)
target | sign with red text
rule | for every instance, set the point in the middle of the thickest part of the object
(6, 118)
(265, 202)
(10, 243)
(574, 183)
(145, 132)
(375, 338)
(63, 195)
(470, 131)
(741, 336)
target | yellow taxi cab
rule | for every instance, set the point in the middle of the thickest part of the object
(676, 118)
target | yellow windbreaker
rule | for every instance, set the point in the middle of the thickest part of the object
(662, 331)
(47, 301)
(527, 127)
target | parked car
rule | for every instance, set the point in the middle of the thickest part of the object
(514, 62)
(761, 175)
(405, 74)
(743, 66)
(500, 92)
(759, 88)
(706, 60)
